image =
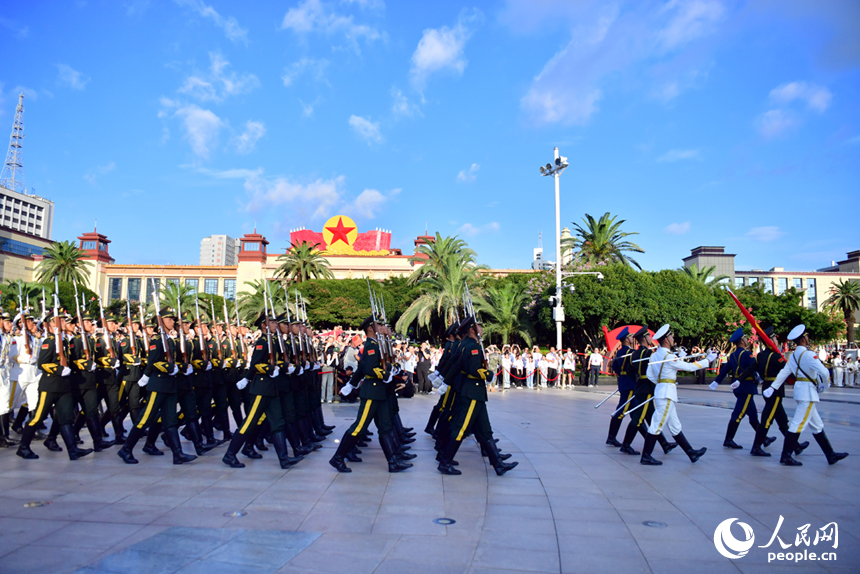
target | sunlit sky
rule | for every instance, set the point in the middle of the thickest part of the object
(699, 122)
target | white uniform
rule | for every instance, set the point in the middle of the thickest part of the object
(24, 370)
(837, 371)
(814, 375)
(8, 389)
(663, 375)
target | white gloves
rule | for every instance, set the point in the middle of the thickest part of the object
(208, 366)
(822, 387)
(291, 369)
(767, 392)
(437, 382)
(443, 388)
(713, 386)
(175, 370)
(116, 364)
(189, 370)
(432, 377)
(682, 353)
(301, 371)
(144, 380)
(93, 367)
(32, 360)
(242, 383)
(736, 384)
(712, 356)
(275, 372)
(347, 388)
(316, 366)
(66, 372)
(390, 376)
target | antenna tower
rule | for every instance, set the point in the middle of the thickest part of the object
(540, 240)
(12, 176)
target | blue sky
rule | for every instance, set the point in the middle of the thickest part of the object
(700, 122)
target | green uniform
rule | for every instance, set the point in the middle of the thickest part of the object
(373, 393)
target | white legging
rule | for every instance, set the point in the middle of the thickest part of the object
(664, 415)
(806, 415)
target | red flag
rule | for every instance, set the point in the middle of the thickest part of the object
(756, 327)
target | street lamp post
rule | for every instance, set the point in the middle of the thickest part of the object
(554, 169)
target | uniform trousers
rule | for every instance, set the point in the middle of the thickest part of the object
(623, 397)
(89, 401)
(135, 399)
(62, 403)
(643, 415)
(160, 407)
(187, 402)
(374, 410)
(664, 415)
(745, 406)
(263, 409)
(773, 411)
(28, 394)
(471, 416)
(288, 407)
(8, 388)
(806, 415)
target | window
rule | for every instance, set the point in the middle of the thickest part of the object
(39, 209)
(811, 296)
(14, 221)
(768, 284)
(230, 289)
(172, 282)
(798, 284)
(782, 285)
(149, 289)
(753, 280)
(210, 286)
(192, 284)
(16, 211)
(133, 293)
(252, 246)
(115, 288)
(739, 282)
(39, 218)
(88, 245)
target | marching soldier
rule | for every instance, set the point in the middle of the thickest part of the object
(663, 367)
(24, 354)
(286, 393)
(84, 350)
(446, 356)
(811, 377)
(108, 352)
(623, 368)
(743, 368)
(133, 355)
(8, 387)
(185, 384)
(769, 364)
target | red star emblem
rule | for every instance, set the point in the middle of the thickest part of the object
(339, 232)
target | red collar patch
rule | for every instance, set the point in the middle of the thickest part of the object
(474, 351)
(259, 347)
(371, 351)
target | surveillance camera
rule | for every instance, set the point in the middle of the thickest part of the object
(600, 277)
(571, 288)
(551, 300)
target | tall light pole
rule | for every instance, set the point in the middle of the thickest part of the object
(554, 169)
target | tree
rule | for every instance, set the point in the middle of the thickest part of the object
(172, 293)
(303, 261)
(252, 304)
(845, 298)
(65, 261)
(435, 254)
(602, 241)
(705, 276)
(504, 312)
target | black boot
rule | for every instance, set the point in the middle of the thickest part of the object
(431, 422)
(394, 463)
(24, 450)
(20, 419)
(230, 456)
(493, 456)
(118, 429)
(801, 446)
(787, 448)
(347, 443)
(629, 435)
(292, 433)
(824, 443)
(446, 462)
(322, 420)
(151, 436)
(99, 443)
(125, 453)
(317, 425)
(352, 456)
(614, 425)
(4, 422)
(208, 434)
(758, 451)
(196, 439)
(309, 431)
(685, 446)
(729, 441)
(279, 443)
(68, 434)
(401, 452)
(175, 445)
(650, 443)
(665, 444)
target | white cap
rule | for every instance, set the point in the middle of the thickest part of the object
(662, 332)
(797, 332)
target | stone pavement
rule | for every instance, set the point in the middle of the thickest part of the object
(572, 505)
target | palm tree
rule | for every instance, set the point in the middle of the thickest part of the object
(27, 290)
(65, 261)
(251, 302)
(173, 292)
(845, 296)
(505, 313)
(602, 241)
(434, 254)
(303, 261)
(704, 275)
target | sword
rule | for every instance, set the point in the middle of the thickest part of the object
(640, 406)
(622, 406)
(672, 359)
(606, 399)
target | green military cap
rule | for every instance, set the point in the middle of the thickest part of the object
(167, 312)
(187, 318)
(261, 318)
(87, 317)
(282, 318)
(113, 318)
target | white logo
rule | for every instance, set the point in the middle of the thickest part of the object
(726, 543)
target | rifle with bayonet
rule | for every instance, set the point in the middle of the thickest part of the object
(471, 309)
(215, 332)
(382, 355)
(84, 335)
(58, 333)
(162, 330)
(292, 336)
(204, 348)
(106, 333)
(268, 330)
(22, 315)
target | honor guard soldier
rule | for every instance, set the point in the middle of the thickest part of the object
(743, 369)
(109, 366)
(84, 351)
(373, 374)
(7, 386)
(663, 367)
(55, 391)
(770, 363)
(438, 382)
(133, 355)
(811, 377)
(623, 368)
(286, 394)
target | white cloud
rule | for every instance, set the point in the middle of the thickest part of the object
(692, 19)
(402, 107)
(468, 175)
(817, 98)
(201, 129)
(365, 128)
(764, 234)
(316, 69)
(92, 175)
(441, 49)
(774, 123)
(677, 228)
(234, 32)
(70, 77)
(18, 30)
(308, 109)
(314, 16)
(316, 197)
(366, 4)
(368, 203)
(246, 141)
(470, 230)
(674, 155)
(219, 83)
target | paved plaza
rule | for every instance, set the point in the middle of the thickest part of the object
(572, 505)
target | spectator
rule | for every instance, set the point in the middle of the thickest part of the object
(529, 362)
(350, 356)
(538, 361)
(569, 366)
(595, 362)
(506, 368)
(422, 369)
(329, 366)
(342, 379)
(552, 367)
(408, 361)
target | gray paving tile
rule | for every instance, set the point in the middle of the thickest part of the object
(142, 562)
(236, 552)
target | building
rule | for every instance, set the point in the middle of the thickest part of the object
(20, 252)
(219, 250)
(816, 286)
(26, 213)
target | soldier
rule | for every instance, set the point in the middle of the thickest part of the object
(286, 382)
(8, 387)
(108, 352)
(84, 350)
(187, 380)
(133, 356)
(811, 377)
(23, 355)
(159, 375)
(373, 374)
(663, 367)
(202, 382)
(219, 352)
(234, 363)
(769, 364)
(623, 368)
(55, 391)
(435, 376)
(743, 368)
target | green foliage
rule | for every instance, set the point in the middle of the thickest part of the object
(602, 241)
(845, 298)
(303, 261)
(502, 307)
(704, 275)
(64, 260)
(346, 303)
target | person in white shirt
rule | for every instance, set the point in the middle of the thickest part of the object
(837, 370)
(811, 377)
(8, 389)
(552, 367)
(329, 366)
(23, 355)
(529, 366)
(506, 369)
(595, 361)
(663, 367)
(537, 357)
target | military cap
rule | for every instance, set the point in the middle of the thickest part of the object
(113, 318)
(366, 323)
(737, 335)
(167, 312)
(261, 318)
(5, 316)
(187, 318)
(282, 318)
(466, 324)
(452, 329)
(623, 334)
(797, 332)
(769, 331)
(640, 334)
(87, 317)
(663, 332)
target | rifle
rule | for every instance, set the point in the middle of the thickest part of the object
(382, 356)
(131, 336)
(292, 337)
(58, 334)
(268, 330)
(241, 338)
(161, 329)
(274, 318)
(143, 323)
(44, 311)
(308, 341)
(84, 335)
(298, 319)
(24, 330)
(229, 332)
(107, 338)
(204, 348)
(179, 323)
(215, 331)
(471, 309)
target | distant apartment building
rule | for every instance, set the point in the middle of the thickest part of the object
(219, 250)
(26, 213)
